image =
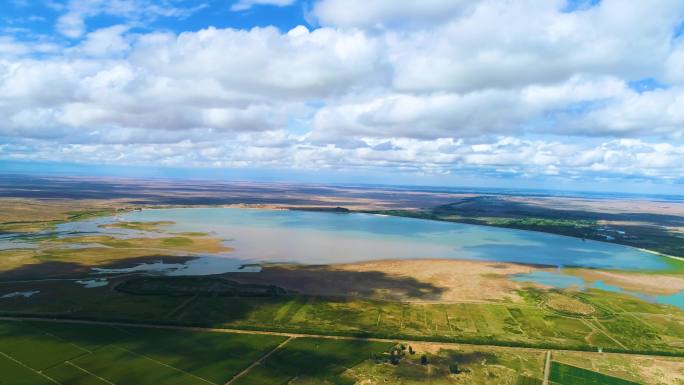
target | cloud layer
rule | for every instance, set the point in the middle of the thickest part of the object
(531, 88)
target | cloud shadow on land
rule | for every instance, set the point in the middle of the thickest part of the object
(324, 280)
(333, 289)
(54, 269)
(321, 280)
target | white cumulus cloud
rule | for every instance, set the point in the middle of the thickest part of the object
(418, 86)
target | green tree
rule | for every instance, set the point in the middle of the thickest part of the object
(453, 368)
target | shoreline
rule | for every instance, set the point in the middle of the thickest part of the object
(658, 253)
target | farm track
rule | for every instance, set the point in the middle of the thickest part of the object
(38, 372)
(547, 368)
(258, 361)
(306, 335)
(89, 373)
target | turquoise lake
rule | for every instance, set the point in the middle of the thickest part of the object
(317, 237)
(308, 237)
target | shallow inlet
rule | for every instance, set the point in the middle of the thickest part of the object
(564, 281)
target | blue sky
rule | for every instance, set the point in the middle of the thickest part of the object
(41, 16)
(404, 91)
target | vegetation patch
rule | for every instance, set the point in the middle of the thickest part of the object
(141, 226)
(525, 380)
(422, 363)
(33, 215)
(570, 306)
(175, 243)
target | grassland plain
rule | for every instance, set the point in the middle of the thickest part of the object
(33, 215)
(173, 356)
(618, 323)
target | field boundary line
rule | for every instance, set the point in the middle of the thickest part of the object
(181, 307)
(259, 361)
(547, 368)
(163, 364)
(89, 372)
(87, 351)
(323, 336)
(600, 328)
(30, 368)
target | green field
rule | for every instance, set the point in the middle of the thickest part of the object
(36, 353)
(41, 352)
(49, 352)
(313, 360)
(82, 354)
(620, 323)
(563, 374)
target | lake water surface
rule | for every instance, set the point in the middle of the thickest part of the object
(308, 237)
(318, 237)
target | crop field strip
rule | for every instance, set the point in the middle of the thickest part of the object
(156, 361)
(563, 374)
(158, 355)
(57, 353)
(285, 334)
(317, 359)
